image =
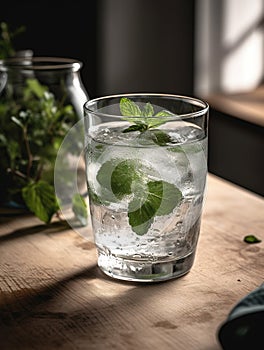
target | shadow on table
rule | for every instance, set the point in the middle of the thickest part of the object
(86, 307)
(53, 227)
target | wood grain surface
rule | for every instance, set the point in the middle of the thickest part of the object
(53, 296)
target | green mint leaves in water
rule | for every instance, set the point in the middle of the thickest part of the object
(147, 198)
(143, 119)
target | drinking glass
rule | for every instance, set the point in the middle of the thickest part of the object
(146, 169)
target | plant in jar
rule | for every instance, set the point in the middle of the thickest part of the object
(33, 125)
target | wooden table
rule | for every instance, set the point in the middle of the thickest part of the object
(53, 296)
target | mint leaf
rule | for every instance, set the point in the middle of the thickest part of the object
(41, 200)
(141, 218)
(138, 227)
(148, 110)
(79, 208)
(122, 177)
(129, 108)
(136, 127)
(171, 198)
(154, 122)
(164, 113)
(116, 178)
(103, 174)
(145, 118)
(160, 137)
(251, 239)
(162, 197)
(104, 178)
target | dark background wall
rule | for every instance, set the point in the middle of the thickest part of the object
(56, 28)
(135, 46)
(236, 149)
(125, 46)
(146, 46)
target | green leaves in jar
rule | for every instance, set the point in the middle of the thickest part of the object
(32, 128)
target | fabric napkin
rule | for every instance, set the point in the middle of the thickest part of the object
(244, 326)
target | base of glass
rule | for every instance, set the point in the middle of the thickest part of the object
(144, 270)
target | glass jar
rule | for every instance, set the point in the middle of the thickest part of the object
(41, 98)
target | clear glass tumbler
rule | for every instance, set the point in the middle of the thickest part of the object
(146, 169)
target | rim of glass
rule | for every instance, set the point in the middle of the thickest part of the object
(193, 100)
(41, 63)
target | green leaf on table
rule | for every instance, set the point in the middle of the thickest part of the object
(40, 198)
(79, 208)
(251, 239)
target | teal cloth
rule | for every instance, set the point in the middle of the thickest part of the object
(244, 326)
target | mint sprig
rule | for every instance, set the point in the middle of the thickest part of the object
(126, 179)
(143, 119)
